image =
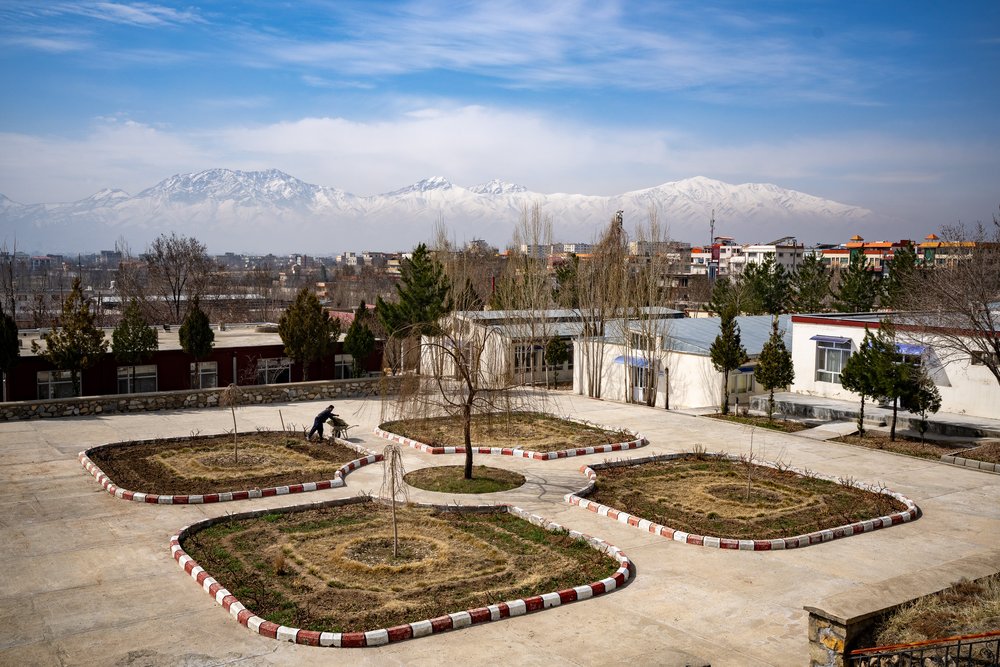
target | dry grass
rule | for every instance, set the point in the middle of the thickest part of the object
(708, 496)
(205, 464)
(990, 452)
(525, 430)
(902, 445)
(451, 479)
(967, 607)
(339, 573)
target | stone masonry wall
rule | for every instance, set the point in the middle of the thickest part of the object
(197, 398)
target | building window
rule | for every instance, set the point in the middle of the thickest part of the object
(741, 383)
(343, 367)
(136, 379)
(274, 370)
(830, 359)
(980, 358)
(55, 384)
(204, 375)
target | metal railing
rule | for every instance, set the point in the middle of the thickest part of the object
(982, 650)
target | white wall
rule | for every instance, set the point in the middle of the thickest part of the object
(964, 388)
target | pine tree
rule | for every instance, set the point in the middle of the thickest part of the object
(77, 343)
(556, 352)
(423, 297)
(133, 340)
(810, 285)
(307, 330)
(923, 397)
(197, 337)
(727, 352)
(359, 341)
(860, 287)
(10, 351)
(774, 366)
(901, 270)
(860, 373)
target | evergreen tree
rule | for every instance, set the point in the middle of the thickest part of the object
(423, 297)
(10, 351)
(860, 373)
(771, 288)
(197, 337)
(359, 341)
(810, 285)
(725, 296)
(895, 377)
(556, 352)
(566, 293)
(901, 270)
(77, 343)
(727, 352)
(307, 330)
(774, 366)
(860, 287)
(133, 340)
(923, 397)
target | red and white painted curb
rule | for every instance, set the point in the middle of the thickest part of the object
(516, 452)
(195, 499)
(380, 637)
(909, 514)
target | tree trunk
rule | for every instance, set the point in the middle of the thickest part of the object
(467, 432)
(725, 393)
(305, 370)
(892, 428)
(770, 406)
(861, 417)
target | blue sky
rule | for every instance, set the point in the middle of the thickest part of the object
(888, 105)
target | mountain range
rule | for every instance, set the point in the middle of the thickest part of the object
(270, 211)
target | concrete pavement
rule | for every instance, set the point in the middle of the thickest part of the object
(90, 579)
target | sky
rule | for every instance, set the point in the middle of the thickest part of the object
(892, 106)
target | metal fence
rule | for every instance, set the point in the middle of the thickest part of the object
(981, 650)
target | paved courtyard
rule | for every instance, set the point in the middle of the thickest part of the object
(89, 579)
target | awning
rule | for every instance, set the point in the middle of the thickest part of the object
(830, 339)
(906, 348)
(632, 361)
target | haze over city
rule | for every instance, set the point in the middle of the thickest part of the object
(888, 108)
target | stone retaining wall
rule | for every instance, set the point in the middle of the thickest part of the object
(197, 398)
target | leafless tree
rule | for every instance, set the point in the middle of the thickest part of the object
(956, 301)
(178, 269)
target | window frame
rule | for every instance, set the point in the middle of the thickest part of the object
(825, 351)
(132, 380)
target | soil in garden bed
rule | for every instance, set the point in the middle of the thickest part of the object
(206, 464)
(708, 496)
(989, 452)
(524, 430)
(451, 479)
(332, 569)
(902, 445)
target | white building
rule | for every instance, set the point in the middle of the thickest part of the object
(676, 370)
(821, 344)
(783, 252)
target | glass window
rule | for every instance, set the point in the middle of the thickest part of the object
(830, 359)
(55, 384)
(274, 370)
(740, 383)
(204, 375)
(136, 379)
(343, 367)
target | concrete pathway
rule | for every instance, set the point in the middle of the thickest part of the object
(90, 580)
(837, 429)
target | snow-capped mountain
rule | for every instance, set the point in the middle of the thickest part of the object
(270, 211)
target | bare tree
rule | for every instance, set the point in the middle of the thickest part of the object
(955, 297)
(178, 269)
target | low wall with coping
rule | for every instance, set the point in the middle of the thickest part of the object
(197, 398)
(838, 622)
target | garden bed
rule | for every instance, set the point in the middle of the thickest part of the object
(703, 499)
(784, 425)
(524, 434)
(203, 466)
(451, 479)
(902, 445)
(327, 575)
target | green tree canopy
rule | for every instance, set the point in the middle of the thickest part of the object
(901, 269)
(859, 288)
(133, 340)
(77, 343)
(10, 351)
(360, 340)
(774, 366)
(423, 297)
(923, 397)
(307, 330)
(197, 337)
(810, 285)
(767, 287)
(727, 352)
(861, 371)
